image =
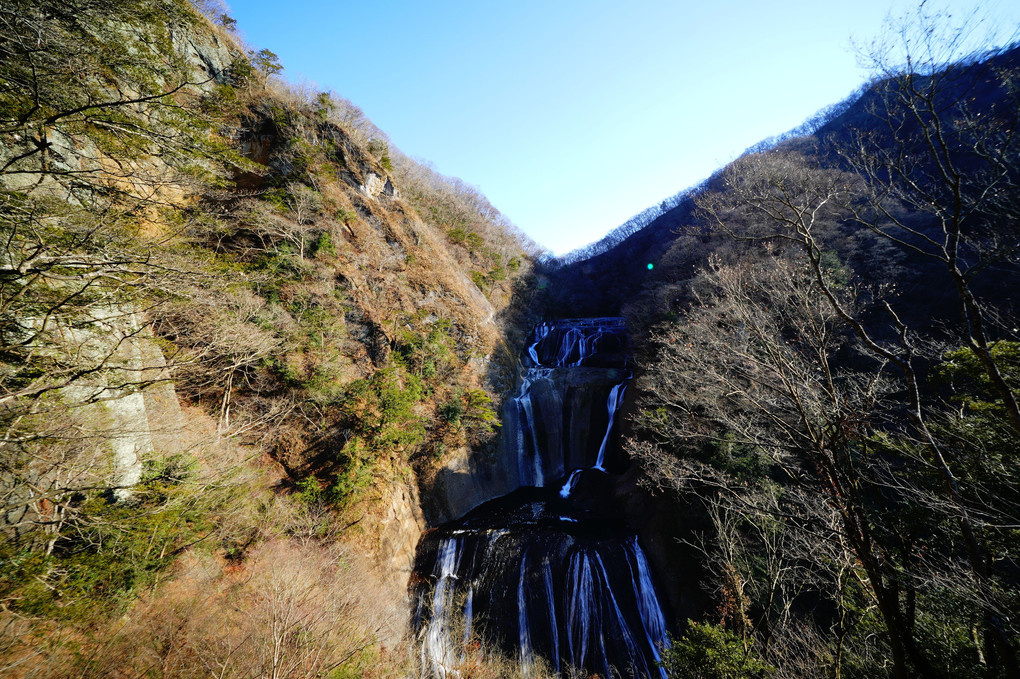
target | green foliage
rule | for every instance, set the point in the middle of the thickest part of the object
(365, 663)
(947, 635)
(478, 411)
(439, 450)
(971, 387)
(709, 651)
(452, 411)
(168, 470)
(280, 263)
(469, 239)
(110, 550)
(355, 462)
(266, 62)
(242, 72)
(310, 491)
(428, 352)
(381, 150)
(345, 216)
(744, 462)
(278, 197)
(382, 414)
(980, 438)
(978, 425)
(324, 245)
(324, 105)
(836, 273)
(471, 409)
(381, 409)
(474, 241)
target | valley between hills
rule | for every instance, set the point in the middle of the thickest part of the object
(279, 400)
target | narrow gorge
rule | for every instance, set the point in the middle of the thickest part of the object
(553, 571)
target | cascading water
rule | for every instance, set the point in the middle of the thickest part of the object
(551, 570)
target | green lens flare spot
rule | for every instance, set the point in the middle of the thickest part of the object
(650, 266)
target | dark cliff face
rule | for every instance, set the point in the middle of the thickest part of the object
(603, 284)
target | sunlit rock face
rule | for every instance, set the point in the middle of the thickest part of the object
(551, 572)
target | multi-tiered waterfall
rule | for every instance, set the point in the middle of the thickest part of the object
(551, 570)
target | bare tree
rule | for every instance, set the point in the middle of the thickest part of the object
(780, 197)
(941, 158)
(751, 372)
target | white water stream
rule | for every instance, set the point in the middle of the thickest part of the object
(535, 572)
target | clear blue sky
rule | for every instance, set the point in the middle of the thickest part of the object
(573, 115)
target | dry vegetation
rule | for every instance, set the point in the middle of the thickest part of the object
(181, 225)
(834, 385)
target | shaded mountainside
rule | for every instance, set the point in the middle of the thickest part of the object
(680, 239)
(239, 336)
(827, 383)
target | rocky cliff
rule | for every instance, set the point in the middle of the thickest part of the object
(234, 323)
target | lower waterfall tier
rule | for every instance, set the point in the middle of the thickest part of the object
(539, 576)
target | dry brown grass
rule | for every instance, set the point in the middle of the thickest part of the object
(292, 608)
(265, 336)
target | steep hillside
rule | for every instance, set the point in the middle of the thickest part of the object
(828, 383)
(240, 339)
(678, 239)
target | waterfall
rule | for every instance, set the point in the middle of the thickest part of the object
(615, 398)
(523, 623)
(439, 652)
(551, 572)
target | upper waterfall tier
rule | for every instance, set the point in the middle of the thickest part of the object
(588, 342)
(562, 419)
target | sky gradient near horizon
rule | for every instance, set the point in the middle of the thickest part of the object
(573, 115)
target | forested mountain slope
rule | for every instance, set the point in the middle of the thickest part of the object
(618, 271)
(238, 333)
(828, 383)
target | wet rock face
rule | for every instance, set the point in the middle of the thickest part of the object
(558, 422)
(553, 569)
